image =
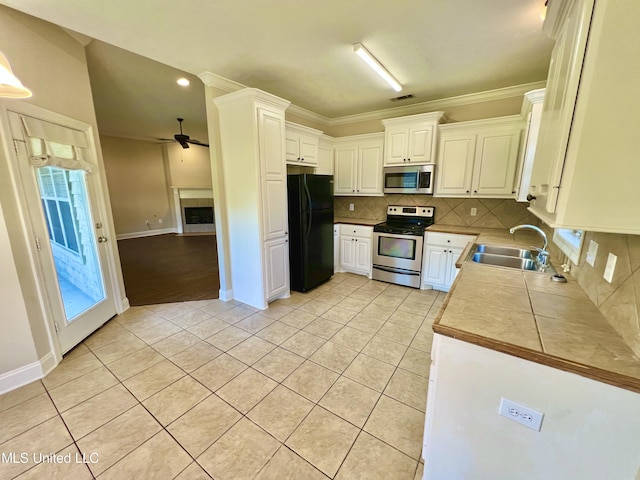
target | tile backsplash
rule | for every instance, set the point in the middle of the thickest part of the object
(490, 212)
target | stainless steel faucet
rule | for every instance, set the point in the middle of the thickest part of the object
(543, 254)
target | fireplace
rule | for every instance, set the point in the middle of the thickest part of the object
(198, 215)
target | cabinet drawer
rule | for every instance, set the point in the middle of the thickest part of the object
(448, 239)
(356, 230)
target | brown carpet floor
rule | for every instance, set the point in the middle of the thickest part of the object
(169, 268)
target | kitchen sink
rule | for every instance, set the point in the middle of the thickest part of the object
(504, 261)
(508, 251)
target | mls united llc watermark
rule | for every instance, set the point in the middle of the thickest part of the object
(39, 457)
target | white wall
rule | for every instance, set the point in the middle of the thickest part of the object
(590, 430)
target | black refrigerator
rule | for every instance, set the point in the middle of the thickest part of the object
(310, 230)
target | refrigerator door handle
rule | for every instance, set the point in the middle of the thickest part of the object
(306, 189)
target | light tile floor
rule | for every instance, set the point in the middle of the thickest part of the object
(328, 384)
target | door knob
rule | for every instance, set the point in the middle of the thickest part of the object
(102, 239)
(530, 197)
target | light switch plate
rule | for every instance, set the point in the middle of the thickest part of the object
(592, 252)
(351, 207)
(519, 413)
(610, 268)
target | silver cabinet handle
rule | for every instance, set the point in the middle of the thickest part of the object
(102, 239)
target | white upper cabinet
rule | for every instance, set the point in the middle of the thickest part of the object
(412, 139)
(479, 158)
(532, 111)
(358, 165)
(586, 168)
(301, 144)
(325, 156)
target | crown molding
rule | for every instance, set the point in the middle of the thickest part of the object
(309, 115)
(213, 80)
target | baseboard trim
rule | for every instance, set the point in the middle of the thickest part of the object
(225, 295)
(29, 373)
(146, 233)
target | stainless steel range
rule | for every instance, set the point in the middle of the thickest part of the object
(397, 244)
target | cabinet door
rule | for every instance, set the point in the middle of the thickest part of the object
(325, 159)
(452, 271)
(370, 169)
(435, 265)
(363, 260)
(420, 144)
(308, 151)
(396, 144)
(292, 147)
(336, 248)
(344, 182)
(454, 170)
(277, 271)
(273, 173)
(347, 247)
(495, 164)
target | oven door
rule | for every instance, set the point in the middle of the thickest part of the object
(397, 251)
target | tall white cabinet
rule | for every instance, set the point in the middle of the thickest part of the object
(252, 139)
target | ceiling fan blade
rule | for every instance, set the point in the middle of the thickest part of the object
(198, 142)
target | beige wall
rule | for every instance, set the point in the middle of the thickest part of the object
(138, 184)
(188, 167)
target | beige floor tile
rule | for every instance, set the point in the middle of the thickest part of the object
(355, 280)
(153, 379)
(408, 388)
(276, 311)
(134, 363)
(95, 412)
(353, 304)
(155, 333)
(419, 471)
(303, 343)
(416, 361)
(22, 394)
(22, 417)
(352, 338)
(280, 412)
(119, 437)
(385, 350)
(159, 457)
(251, 350)
(377, 311)
(175, 343)
(286, 465)
(254, 323)
(240, 453)
(333, 356)
(407, 319)
(295, 300)
(321, 327)
(82, 388)
(190, 319)
(234, 314)
(143, 323)
(366, 323)
(170, 310)
(195, 356)
(372, 459)
(246, 390)
(386, 300)
(218, 371)
(413, 307)
(228, 338)
(110, 332)
(205, 423)
(217, 306)
(63, 470)
(398, 425)
(278, 364)
(277, 332)
(193, 472)
(364, 295)
(339, 315)
(298, 319)
(350, 400)
(423, 340)
(78, 350)
(330, 297)
(315, 307)
(426, 297)
(49, 436)
(374, 286)
(71, 368)
(175, 400)
(323, 439)
(119, 349)
(397, 333)
(311, 380)
(370, 372)
(208, 328)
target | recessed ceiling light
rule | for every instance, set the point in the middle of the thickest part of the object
(183, 82)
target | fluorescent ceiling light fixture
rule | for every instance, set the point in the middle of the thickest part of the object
(10, 86)
(183, 82)
(370, 60)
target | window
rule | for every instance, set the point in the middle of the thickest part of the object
(55, 191)
(570, 242)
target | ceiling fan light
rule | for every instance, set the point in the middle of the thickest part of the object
(376, 66)
(10, 86)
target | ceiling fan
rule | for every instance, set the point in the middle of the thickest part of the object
(183, 139)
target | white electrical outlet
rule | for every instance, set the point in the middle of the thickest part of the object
(351, 207)
(592, 252)
(521, 414)
(474, 212)
(159, 220)
(610, 268)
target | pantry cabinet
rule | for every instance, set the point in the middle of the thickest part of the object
(441, 252)
(479, 158)
(586, 169)
(355, 249)
(301, 145)
(358, 165)
(411, 139)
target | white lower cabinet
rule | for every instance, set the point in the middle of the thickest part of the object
(277, 271)
(441, 251)
(355, 249)
(336, 248)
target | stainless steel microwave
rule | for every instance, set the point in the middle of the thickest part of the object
(409, 179)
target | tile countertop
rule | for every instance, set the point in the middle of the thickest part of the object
(526, 315)
(356, 221)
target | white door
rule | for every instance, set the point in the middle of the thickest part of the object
(347, 247)
(70, 237)
(496, 161)
(363, 255)
(277, 259)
